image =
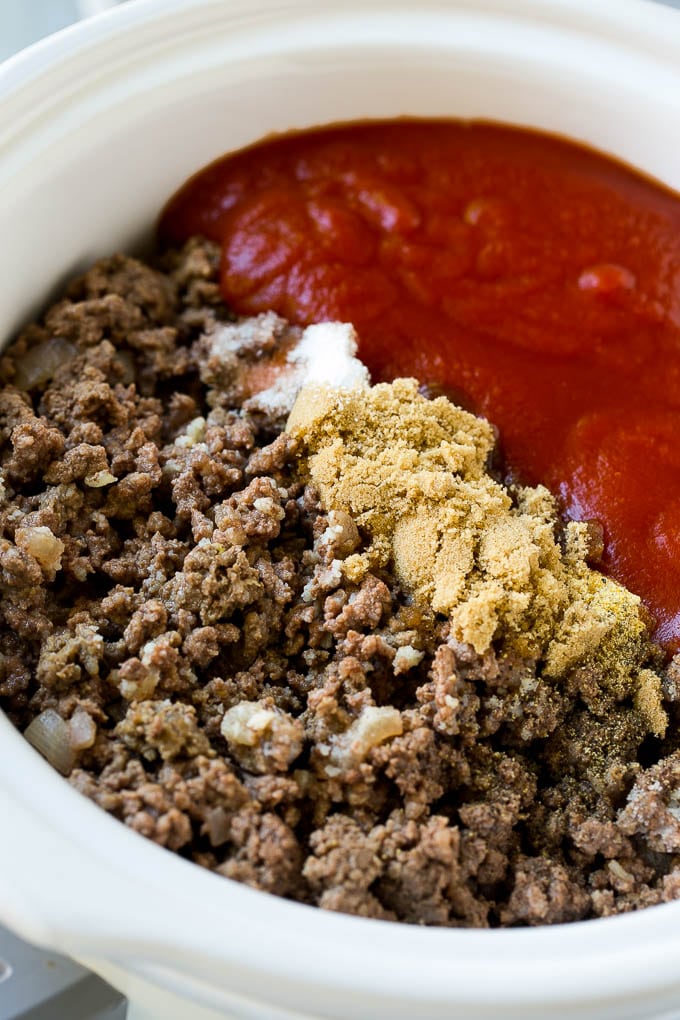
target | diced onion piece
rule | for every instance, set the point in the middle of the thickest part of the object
(83, 730)
(42, 545)
(49, 734)
(99, 479)
(407, 657)
(39, 363)
(373, 727)
(245, 723)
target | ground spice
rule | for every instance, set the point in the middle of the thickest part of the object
(413, 473)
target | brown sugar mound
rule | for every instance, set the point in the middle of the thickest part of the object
(413, 474)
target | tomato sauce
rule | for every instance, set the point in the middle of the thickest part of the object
(534, 277)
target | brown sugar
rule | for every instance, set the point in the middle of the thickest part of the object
(413, 474)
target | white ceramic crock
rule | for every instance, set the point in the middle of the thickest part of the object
(97, 127)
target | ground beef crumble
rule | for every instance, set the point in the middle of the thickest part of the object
(171, 589)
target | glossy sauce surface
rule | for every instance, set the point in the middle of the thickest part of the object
(535, 280)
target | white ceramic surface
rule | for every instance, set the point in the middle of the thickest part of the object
(97, 127)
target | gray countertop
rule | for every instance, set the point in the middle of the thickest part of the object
(24, 21)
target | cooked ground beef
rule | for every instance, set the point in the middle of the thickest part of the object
(170, 588)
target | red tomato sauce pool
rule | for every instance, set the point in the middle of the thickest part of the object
(535, 277)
